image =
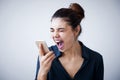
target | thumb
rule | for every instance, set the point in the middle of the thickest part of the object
(41, 50)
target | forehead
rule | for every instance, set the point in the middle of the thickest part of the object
(59, 23)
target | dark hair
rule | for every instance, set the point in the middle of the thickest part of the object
(73, 15)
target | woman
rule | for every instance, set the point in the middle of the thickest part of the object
(69, 59)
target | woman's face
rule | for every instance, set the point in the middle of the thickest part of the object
(62, 34)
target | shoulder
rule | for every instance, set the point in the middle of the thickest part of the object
(92, 54)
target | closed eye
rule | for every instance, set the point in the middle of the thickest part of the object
(51, 30)
(61, 30)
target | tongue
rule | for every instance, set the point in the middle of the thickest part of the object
(60, 45)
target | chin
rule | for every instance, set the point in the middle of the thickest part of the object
(61, 50)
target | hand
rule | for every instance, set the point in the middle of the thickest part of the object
(45, 61)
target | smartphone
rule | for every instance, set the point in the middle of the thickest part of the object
(45, 47)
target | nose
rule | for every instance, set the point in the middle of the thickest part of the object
(56, 34)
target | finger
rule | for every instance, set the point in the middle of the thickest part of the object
(50, 59)
(45, 57)
(41, 50)
(48, 55)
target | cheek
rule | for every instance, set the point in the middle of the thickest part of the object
(69, 35)
(69, 41)
(69, 38)
(51, 35)
(62, 35)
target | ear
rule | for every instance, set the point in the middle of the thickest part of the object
(77, 30)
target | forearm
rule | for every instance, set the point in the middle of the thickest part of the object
(41, 76)
(45, 62)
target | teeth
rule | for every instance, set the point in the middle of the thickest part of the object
(57, 41)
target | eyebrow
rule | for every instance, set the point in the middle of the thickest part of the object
(58, 28)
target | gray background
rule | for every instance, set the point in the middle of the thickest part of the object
(22, 22)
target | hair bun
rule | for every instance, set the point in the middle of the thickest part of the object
(77, 8)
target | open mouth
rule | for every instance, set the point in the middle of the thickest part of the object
(60, 44)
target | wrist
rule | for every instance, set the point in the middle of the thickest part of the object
(42, 76)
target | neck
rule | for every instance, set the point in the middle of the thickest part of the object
(74, 52)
